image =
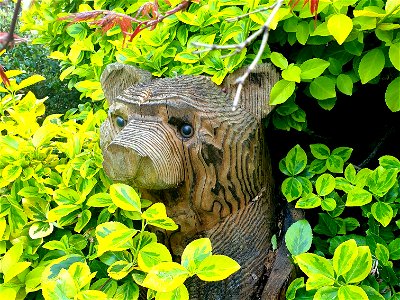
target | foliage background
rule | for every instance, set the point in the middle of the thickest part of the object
(339, 81)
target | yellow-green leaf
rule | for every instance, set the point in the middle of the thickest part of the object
(340, 27)
(216, 267)
(351, 292)
(30, 81)
(361, 266)
(152, 254)
(114, 236)
(344, 256)
(195, 252)
(125, 197)
(119, 269)
(180, 293)
(166, 277)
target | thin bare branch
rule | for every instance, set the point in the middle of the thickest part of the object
(10, 37)
(264, 31)
(249, 13)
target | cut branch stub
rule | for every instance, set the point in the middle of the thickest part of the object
(180, 143)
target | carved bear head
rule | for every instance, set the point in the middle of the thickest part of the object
(179, 140)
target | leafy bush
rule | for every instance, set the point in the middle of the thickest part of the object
(357, 225)
(318, 57)
(33, 59)
(67, 232)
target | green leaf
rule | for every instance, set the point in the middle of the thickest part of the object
(382, 254)
(11, 173)
(58, 212)
(295, 285)
(30, 81)
(313, 68)
(309, 201)
(99, 200)
(298, 237)
(66, 196)
(382, 212)
(327, 293)
(291, 188)
(119, 269)
(335, 164)
(312, 264)
(360, 267)
(165, 277)
(372, 293)
(53, 269)
(302, 32)
(40, 230)
(371, 65)
(113, 236)
(187, 57)
(152, 254)
(281, 91)
(322, 88)
(180, 293)
(344, 84)
(194, 253)
(326, 225)
(394, 55)
(279, 60)
(317, 166)
(292, 73)
(389, 162)
(216, 267)
(325, 184)
(394, 249)
(328, 204)
(392, 95)
(318, 281)
(305, 184)
(351, 292)
(320, 151)
(296, 160)
(350, 173)
(340, 27)
(125, 197)
(358, 197)
(344, 257)
(83, 220)
(10, 264)
(127, 291)
(381, 180)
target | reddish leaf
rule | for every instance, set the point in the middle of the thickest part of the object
(313, 6)
(3, 76)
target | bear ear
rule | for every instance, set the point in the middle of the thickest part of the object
(256, 90)
(117, 77)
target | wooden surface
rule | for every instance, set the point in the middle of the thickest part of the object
(216, 183)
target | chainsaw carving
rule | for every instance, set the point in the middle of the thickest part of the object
(179, 142)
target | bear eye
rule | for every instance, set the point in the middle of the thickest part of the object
(186, 130)
(120, 121)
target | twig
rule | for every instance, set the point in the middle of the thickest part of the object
(378, 146)
(249, 13)
(264, 30)
(10, 36)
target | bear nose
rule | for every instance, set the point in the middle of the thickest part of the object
(120, 162)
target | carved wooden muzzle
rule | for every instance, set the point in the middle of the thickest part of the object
(179, 142)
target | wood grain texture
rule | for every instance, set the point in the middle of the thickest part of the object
(216, 183)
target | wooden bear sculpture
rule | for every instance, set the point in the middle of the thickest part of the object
(179, 142)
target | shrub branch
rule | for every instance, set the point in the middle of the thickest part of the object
(264, 31)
